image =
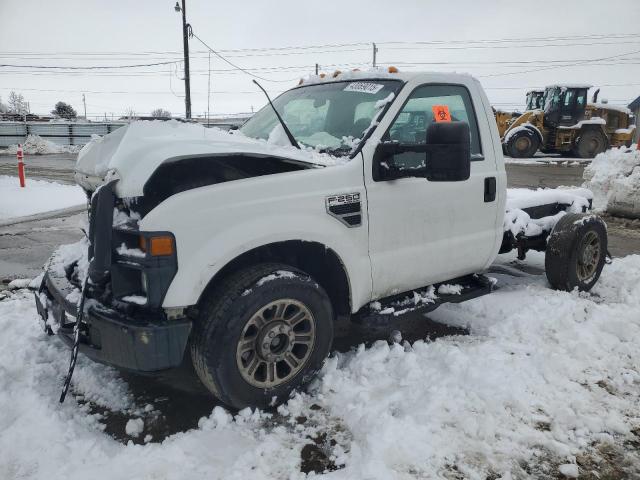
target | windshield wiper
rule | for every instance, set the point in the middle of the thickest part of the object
(284, 125)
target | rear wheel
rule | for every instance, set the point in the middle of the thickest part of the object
(523, 144)
(590, 143)
(262, 333)
(576, 252)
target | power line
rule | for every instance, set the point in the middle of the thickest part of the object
(94, 67)
(584, 62)
(409, 65)
(233, 64)
(606, 36)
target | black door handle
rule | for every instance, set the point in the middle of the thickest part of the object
(489, 189)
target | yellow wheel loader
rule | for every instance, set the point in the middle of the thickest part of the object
(567, 124)
(505, 119)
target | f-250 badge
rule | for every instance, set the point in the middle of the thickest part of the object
(346, 208)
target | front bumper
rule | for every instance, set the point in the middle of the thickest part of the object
(108, 336)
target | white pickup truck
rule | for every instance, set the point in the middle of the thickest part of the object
(365, 194)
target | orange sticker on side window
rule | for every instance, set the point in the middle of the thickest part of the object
(441, 113)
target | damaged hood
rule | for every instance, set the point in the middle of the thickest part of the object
(132, 153)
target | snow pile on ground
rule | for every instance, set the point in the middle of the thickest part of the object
(517, 220)
(36, 145)
(543, 379)
(614, 178)
(37, 197)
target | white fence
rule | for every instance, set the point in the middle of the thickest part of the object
(12, 133)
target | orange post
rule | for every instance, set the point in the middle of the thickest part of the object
(20, 166)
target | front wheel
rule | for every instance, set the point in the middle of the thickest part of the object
(576, 252)
(263, 332)
(523, 144)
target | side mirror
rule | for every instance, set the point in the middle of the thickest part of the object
(448, 152)
(444, 157)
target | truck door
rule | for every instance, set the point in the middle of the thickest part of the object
(420, 231)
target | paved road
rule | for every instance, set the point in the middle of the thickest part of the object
(57, 167)
(549, 175)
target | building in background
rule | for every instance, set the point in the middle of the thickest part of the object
(635, 110)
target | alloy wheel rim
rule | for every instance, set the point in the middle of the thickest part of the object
(588, 257)
(276, 343)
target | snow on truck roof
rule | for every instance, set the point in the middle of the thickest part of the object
(378, 73)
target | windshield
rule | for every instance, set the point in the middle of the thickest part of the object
(331, 116)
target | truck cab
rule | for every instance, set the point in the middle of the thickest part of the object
(237, 250)
(534, 100)
(564, 105)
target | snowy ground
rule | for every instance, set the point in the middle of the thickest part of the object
(544, 158)
(36, 145)
(546, 382)
(37, 197)
(614, 178)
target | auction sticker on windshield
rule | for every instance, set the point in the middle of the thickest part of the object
(364, 87)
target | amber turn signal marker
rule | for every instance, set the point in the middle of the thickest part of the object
(393, 70)
(162, 245)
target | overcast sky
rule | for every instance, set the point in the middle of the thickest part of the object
(454, 36)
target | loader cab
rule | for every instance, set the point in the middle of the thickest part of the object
(564, 105)
(534, 100)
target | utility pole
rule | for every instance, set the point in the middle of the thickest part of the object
(375, 51)
(84, 101)
(185, 43)
(209, 88)
(317, 68)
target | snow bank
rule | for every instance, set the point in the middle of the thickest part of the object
(37, 197)
(517, 221)
(526, 392)
(36, 145)
(614, 178)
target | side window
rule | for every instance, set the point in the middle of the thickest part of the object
(410, 126)
(568, 96)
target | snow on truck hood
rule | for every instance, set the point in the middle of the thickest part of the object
(132, 153)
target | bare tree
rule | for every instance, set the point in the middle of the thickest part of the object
(161, 113)
(130, 113)
(17, 104)
(3, 107)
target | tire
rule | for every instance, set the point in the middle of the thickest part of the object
(576, 252)
(523, 144)
(590, 143)
(244, 310)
